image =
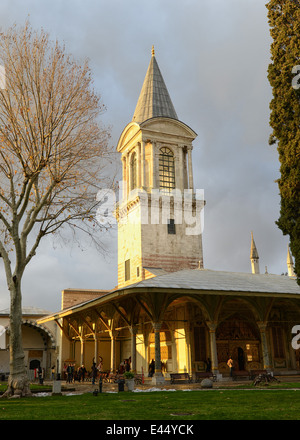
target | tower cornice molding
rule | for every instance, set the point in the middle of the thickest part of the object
(150, 130)
(189, 132)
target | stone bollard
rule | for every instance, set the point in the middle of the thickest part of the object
(56, 388)
(206, 383)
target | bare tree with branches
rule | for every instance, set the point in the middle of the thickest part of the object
(52, 153)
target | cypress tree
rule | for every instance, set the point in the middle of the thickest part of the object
(284, 78)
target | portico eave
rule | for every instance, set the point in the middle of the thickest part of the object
(121, 294)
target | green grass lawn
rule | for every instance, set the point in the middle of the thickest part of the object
(217, 404)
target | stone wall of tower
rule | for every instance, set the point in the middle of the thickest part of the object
(129, 242)
(144, 239)
(171, 251)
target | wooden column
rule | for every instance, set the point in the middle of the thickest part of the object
(95, 348)
(82, 350)
(133, 331)
(112, 351)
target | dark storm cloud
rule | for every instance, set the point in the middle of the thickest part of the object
(213, 55)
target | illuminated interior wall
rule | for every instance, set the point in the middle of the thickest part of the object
(141, 354)
(125, 349)
(180, 342)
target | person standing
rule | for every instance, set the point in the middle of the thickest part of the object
(82, 373)
(230, 365)
(69, 373)
(100, 365)
(40, 374)
(208, 365)
(127, 365)
(151, 368)
(94, 373)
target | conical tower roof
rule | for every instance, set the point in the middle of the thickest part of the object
(253, 251)
(154, 99)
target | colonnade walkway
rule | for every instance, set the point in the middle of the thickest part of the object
(226, 382)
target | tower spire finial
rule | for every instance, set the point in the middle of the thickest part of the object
(153, 51)
(254, 256)
(290, 263)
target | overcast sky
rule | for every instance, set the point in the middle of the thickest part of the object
(213, 55)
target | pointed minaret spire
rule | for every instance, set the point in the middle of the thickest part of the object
(254, 256)
(290, 263)
(154, 100)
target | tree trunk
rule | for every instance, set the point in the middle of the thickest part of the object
(18, 382)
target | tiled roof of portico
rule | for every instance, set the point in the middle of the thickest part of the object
(211, 280)
(199, 281)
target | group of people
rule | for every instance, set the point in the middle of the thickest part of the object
(151, 368)
(39, 374)
(125, 365)
(81, 374)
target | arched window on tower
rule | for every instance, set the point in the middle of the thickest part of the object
(133, 171)
(166, 170)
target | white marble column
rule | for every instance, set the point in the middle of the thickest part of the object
(124, 177)
(155, 170)
(138, 166)
(158, 377)
(264, 345)
(143, 163)
(191, 179)
(184, 168)
(213, 347)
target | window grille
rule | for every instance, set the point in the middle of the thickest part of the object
(166, 170)
(127, 270)
(133, 171)
(171, 227)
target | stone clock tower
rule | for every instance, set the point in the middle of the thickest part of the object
(159, 216)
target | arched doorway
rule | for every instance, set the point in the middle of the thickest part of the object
(238, 338)
(241, 358)
(35, 363)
